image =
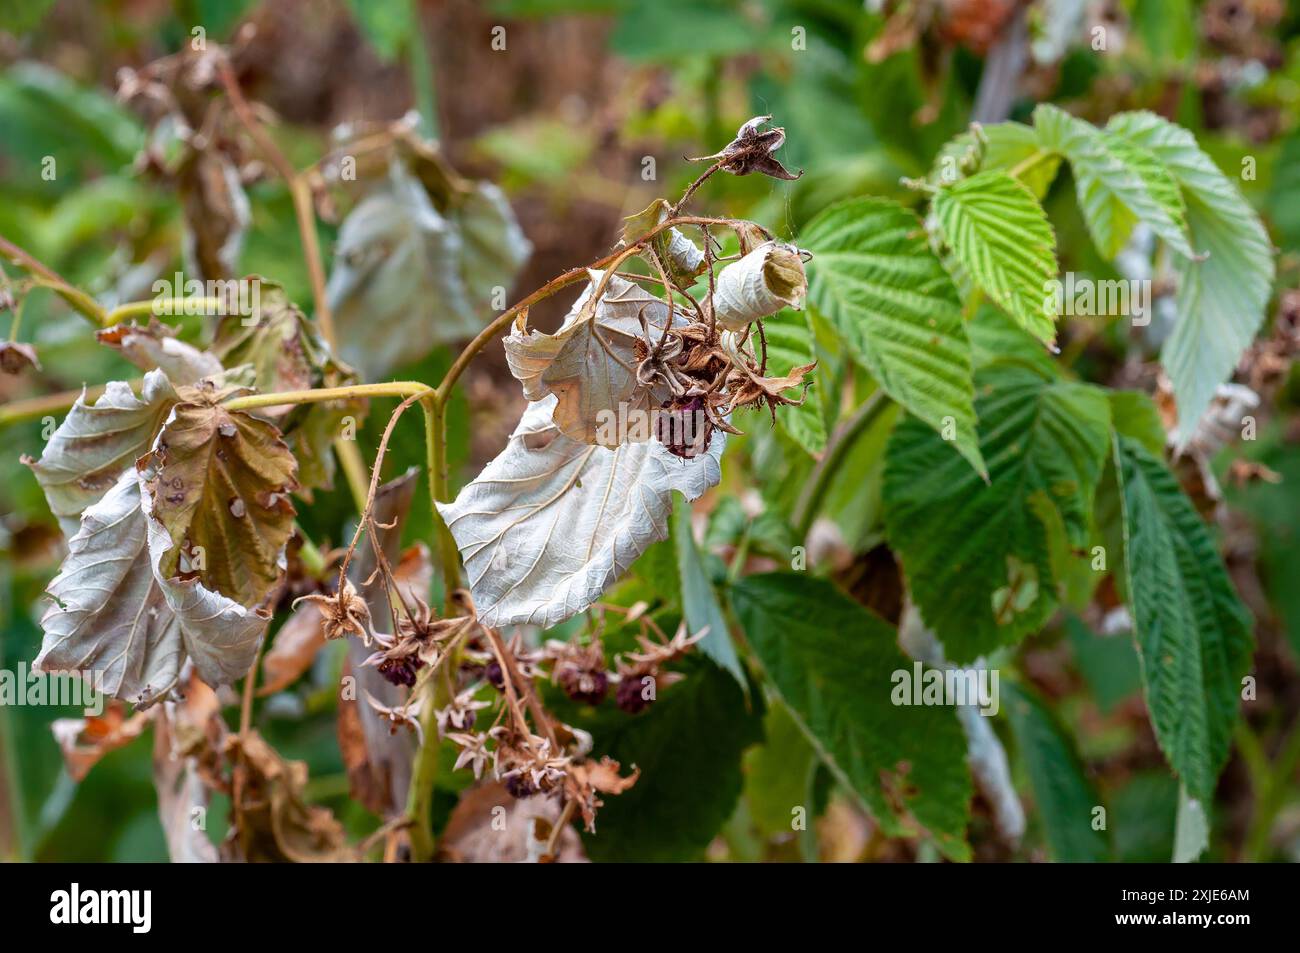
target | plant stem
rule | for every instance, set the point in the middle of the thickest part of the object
(317, 395)
(48, 278)
(157, 307)
(35, 407)
(819, 480)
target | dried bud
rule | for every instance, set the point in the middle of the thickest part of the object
(751, 151)
(769, 278)
(631, 696)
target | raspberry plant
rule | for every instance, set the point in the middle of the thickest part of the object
(578, 633)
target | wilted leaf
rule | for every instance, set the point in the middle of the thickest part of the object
(769, 278)
(185, 736)
(551, 523)
(272, 820)
(156, 346)
(681, 257)
(216, 214)
(588, 364)
(96, 442)
(475, 834)
(16, 357)
(220, 480)
(131, 625)
(84, 741)
(294, 648)
(408, 276)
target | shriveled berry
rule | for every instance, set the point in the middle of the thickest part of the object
(401, 671)
(630, 696)
(520, 786)
(583, 686)
(494, 676)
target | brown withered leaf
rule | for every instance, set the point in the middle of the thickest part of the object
(295, 647)
(84, 741)
(413, 573)
(366, 782)
(585, 779)
(16, 357)
(272, 820)
(284, 352)
(156, 345)
(188, 737)
(220, 480)
(475, 834)
(96, 442)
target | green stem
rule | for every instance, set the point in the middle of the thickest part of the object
(810, 501)
(386, 389)
(159, 307)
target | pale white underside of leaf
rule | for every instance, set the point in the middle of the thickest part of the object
(182, 363)
(588, 363)
(742, 294)
(96, 442)
(544, 532)
(117, 617)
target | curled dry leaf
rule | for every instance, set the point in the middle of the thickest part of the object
(586, 779)
(16, 357)
(84, 741)
(219, 481)
(474, 835)
(272, 820)
(769, 278)
(551, 522)
(187, 736)
(589, 364)
(128, 626)
(96, 442)
(283, 352)
(681, 257)
(294, 648)
(414, 270)
(156, 346)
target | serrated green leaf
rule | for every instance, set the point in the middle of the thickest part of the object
(832, 663)
(976, 555)
(1117, 185)
(790, 344)
(779, 774)
(1193, 633)
(688, 745)
(1010, 146)
(1000, 236)
(1221, 298)
(874, 277)
(1063, 797)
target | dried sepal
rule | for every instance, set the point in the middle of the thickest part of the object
(751, 151)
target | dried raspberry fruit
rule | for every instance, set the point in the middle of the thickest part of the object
(631, 696)
(582, 685)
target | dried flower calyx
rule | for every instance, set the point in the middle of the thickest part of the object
(751, 151)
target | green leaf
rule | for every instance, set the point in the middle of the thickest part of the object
(1222, 297)
(1192, 829)
(1109, 664)
(1193, 633)
(790, 344)
(1000, 236)
(779, 774)
(1063, 796)
(977, 555)
(1117, 180)
(699, 602)
(832, 662)
(874, 277)
(1010, 146)
(688, 745)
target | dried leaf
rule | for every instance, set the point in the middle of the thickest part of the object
(117, 616)
(588, 364)
(156, 346)
(366, 785)
(16, 357)
(220, 480)
(295, 647)
(272, 820)
(84, 741)
(474, 834)
(96, 442)
(551, 522)
(409, 275)
(769, 278)
(216, 214)
(184, 735)
(681, 257)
